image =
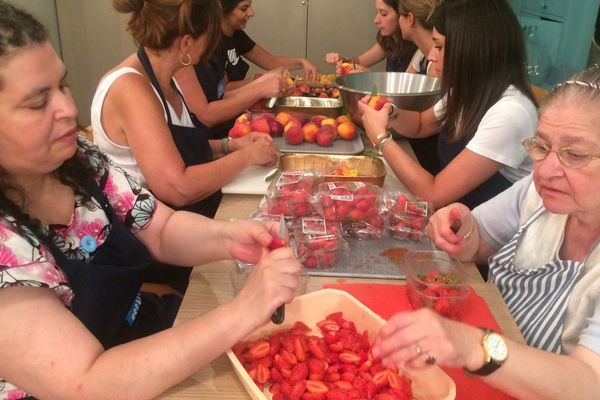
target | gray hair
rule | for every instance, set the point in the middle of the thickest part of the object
(583, 87)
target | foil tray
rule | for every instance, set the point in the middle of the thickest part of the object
(370, 169)
(310, 105)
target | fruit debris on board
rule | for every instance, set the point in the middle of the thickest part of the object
(334, 363)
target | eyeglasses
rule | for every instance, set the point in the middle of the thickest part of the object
(567, 156)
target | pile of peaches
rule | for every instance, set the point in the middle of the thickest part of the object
(296, 128)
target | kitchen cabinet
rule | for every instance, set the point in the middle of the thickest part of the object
(564, 28)
(311, 28)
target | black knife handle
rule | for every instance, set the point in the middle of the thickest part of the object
(279, 315)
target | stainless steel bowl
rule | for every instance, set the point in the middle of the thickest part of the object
(413, 92)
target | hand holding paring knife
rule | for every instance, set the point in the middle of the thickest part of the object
(279, 314)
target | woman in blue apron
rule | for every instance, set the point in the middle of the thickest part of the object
(486, 110)
(542, 240)
(204, 86)
(175, 159)
(76, 239)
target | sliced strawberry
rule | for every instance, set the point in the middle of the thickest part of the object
(259, 349)
(316, 387)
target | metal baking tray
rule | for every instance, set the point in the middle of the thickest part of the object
(367, 258)
(369, 169)
(310, 105)
(339, 147)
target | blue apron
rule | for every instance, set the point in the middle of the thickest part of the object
(537, 298)
(106, 286)
(448, 150)
(194, 148)
(425, 148)
(212, 80)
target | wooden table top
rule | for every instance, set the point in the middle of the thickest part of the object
(210, 286)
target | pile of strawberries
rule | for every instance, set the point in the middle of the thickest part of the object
(290, 194)
(335, 365)
(443, 292)
(357, 205)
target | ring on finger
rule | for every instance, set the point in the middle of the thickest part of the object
(429, 359)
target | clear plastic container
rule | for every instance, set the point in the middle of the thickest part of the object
(436, 280)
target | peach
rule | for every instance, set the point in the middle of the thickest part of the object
(347, 131)
(239, 129)
(294, 135)
(332, 130)
(302, 118)
(244, 117)
(267, 116)
(310, 132)
(260, 125)
(377, 102)
(346, 68)
(291, 123)
(325, 137)
(283, 117)
(342, 118)
(329, 121)
(276, 128)
(318, 118)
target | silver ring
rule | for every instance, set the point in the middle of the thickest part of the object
(393, 112)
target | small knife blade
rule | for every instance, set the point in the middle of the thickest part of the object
(279, 314)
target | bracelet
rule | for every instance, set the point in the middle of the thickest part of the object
(225, 145)
(470, 233)
(383, 139)
(384, 143)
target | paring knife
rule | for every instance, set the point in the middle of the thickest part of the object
(279, 314)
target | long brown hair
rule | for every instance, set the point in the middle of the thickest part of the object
(394, 45)
(484, 54)
(155, 24)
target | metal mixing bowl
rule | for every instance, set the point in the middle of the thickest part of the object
(414, 92)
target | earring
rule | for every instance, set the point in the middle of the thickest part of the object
(187, 62)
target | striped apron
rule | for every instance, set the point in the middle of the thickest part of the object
(537, 298)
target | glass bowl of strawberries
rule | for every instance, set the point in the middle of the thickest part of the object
(436, 280)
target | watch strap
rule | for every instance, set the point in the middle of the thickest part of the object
(490, 364)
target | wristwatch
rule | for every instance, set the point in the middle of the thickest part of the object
(495, 352)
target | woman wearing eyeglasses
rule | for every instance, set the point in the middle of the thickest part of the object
(542, 240)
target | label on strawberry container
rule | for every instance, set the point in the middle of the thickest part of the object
(417, 208)
(342, 197)
(289, 178)
(352, 186)
(314, 226)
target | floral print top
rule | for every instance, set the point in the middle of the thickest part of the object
(24, 261)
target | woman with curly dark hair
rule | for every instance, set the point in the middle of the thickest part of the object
(77, 237)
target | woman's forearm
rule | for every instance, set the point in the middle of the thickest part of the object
(529, 373)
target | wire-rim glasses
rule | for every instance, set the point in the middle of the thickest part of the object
(568, 157)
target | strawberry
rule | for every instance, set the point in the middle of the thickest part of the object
(316, 387)
(349, 357)
(299, 372)
(259, 350)
(298, 390)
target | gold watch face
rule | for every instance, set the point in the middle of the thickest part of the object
(496, 347)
